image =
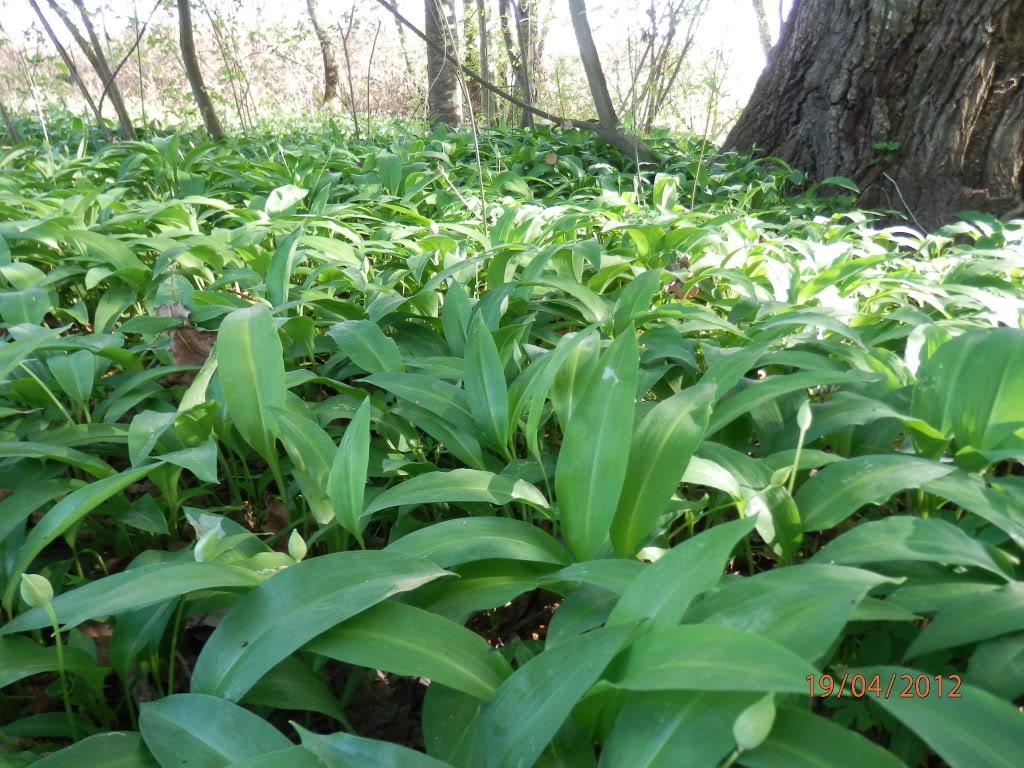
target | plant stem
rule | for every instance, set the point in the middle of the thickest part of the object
(61, 671)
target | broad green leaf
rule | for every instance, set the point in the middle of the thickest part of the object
(409, 641)
(438, 397)
(573, 364)
(837, 491)
(347, 479)
(450, 732)
(133, 589)
(251, 370)
(343, 750)
(973, 730)
(592, 461)
(366, 345)
(190, 730)
(663, 591)
(908, 539)
(458, 485)
(455, 313)
(802, 740)
(708, 658)
(293, 757)
(104, 750)
(294, 606)
(666, 729)
(17, 507)
(75, 458)
(635, 299)
(13, 352)
(970, 389)
(661, 449)
(21, 657)
(531, 705)
(803, 608)
(29, 305)
(283, 200)
(486, 391)
(972, 618)
(75, 373)
(481, 585)
(453, 542)
(293, 685)
(389, 169)
(282, 264)
(64, 514)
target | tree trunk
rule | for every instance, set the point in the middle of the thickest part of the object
(610, 131)
(921, 102)
(12, 129)
(485, 58)
(102, 68)
(194, 73)
(524, 22)
(472, 56)
(444, 97)
(332, 78)
(763, 30)
(517, 56)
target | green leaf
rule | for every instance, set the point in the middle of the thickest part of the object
(293, 685)
(486, 391)
(13, 352)
(133, 589)
(592, 461)
(284, 200)
(251, 368)
(438, 397)
(282, 264)
(970, 389)
(453, 542)
(840, 489)
(635, 299)
(343, 750)
(972, 618)
(662, 446)
(347, 480)
(455, 313)
(29, 305)
(21, 657)
(973, 730)
(709, 658)
(667, 729)
(293, 757)
(104, 750)
(409, 641)
(663, 591)
(293, 607)
(458, 485)
(911, 539)
(389, 169)
(75, 373)
(366, 345)
(24, 448)
(190, 730)
(531, 705)
(802, 740)
(64, 514)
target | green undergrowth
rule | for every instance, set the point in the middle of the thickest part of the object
(593, 467)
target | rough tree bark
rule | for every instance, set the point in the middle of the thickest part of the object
(763, 30)
(518, 52)
(444, 96)
(611, 130)
(921, 102)
(332, 78)
(194, 73)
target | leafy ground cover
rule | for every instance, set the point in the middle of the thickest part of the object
(336, 452)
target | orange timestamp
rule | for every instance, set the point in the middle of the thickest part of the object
(901, 686)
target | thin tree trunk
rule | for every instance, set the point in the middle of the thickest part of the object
(608, 120)
(613, 137)
(102, 67)
(472, 57)
(517, 55)
(485, 58)
(444, 97)
(922, 104)
(12, 129)
(331, 76)
(72, 69)
(524, 12)
(763, 30)
(194, 73)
